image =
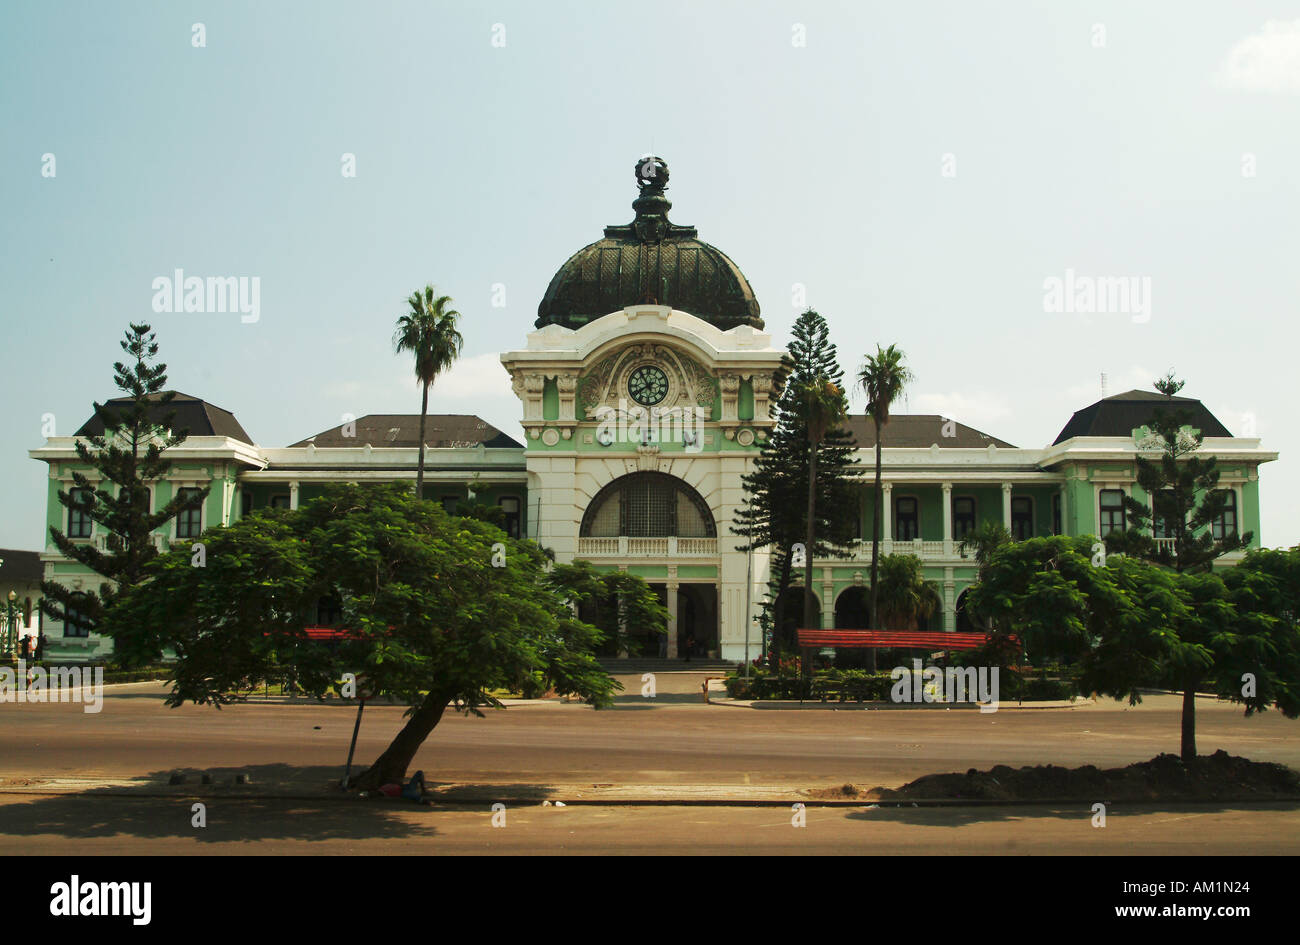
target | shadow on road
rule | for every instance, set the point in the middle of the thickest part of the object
(1082, 811)
(319, 811)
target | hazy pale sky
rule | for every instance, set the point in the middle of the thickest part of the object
(920, 169)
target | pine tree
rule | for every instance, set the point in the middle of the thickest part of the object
(127, 455)
(776, 513)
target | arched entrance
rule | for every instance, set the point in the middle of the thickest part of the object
(964, 623)
(851, 609)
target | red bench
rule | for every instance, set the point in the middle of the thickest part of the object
(891, 639)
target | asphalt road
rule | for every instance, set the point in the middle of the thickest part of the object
(673, 745)
(79, 826)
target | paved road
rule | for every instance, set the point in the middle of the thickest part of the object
(673, 741)
(81, 825)
(636, 742)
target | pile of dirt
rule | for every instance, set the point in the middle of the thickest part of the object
(1209, 778)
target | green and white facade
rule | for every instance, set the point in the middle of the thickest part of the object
(645, 394)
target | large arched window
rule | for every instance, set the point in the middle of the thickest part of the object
(648, 505)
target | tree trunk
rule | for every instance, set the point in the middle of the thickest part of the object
(390, 767)
(1189, 724)
(419, 472)
(778, 621)
(809, 612)
(875, 550)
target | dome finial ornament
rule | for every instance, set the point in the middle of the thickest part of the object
(650, 260)
(651, 206)
(652, 172)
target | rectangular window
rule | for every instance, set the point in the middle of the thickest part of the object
(1022, 518)
(79, 523)
(510, 506)
(448, 504)
(1112, 511)
(1056, 515)
(906, 523)
(74, 622)
(1225, 523)
(279, 501)
(245, 503)
(963, 517)
(189, 522)
(1159, 529)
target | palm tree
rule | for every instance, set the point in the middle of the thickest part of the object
(906, 597)
(823, 406)
(981, 542)
(882, 378)
(428, 331)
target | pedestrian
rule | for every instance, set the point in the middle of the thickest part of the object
(416, 789)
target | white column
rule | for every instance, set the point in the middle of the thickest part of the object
(828, 599)
(293, 494)
(672, 620)
(887, 515)
(947, 519)
(949, 601)
(1006, 505)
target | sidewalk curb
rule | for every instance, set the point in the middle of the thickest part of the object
(889, 706)
(460, 803)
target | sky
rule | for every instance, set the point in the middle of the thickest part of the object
(919, 173)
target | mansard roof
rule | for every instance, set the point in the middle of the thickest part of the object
(1121, 414)
(921, 430)
(396, 430)
(192, 414)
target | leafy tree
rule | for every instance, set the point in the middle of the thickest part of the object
(1136, 625)
(621, 605)
(1184, 498)
(440, 611)
(1046, 593)
(882, 378)
(429, 332)
(129, 458)
(777, 489)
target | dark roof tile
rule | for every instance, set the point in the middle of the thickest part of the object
(441, 431)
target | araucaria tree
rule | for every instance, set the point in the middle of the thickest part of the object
(429, 332)
(439, 611)
(1186, 505)
(882, 378)
(128, 458)
(776, 514)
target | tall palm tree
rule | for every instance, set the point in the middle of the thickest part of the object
(824, 409)
(882, 378)
(429, 332)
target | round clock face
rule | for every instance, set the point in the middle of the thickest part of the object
(648, 385)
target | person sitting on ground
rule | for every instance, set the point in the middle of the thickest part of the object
(416, 790)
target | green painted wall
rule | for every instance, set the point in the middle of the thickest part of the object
(1250, 518)
(745, 401)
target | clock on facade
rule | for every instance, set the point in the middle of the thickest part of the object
(648, 385)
